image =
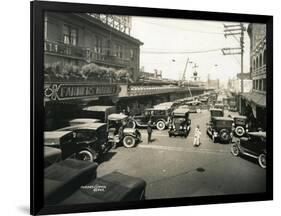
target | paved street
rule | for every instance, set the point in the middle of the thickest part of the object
(172, 167)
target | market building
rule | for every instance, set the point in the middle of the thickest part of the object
(254, 102)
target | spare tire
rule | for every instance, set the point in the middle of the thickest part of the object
(224, 135)
(239, 130)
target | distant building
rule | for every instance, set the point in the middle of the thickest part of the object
(81, 38)
(254, 103)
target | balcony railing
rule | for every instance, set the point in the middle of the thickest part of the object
(86, 54)
(64, 50)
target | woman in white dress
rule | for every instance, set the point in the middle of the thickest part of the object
(197, 134)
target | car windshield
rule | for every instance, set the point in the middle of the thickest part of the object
(223, 123)
(179, 120)
(240, 121)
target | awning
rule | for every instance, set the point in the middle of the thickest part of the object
(258, 99)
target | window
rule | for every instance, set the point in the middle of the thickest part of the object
(70, 35)
(98, 47)
(254, 84)
(264, 84)
(66, 36)
(260, 85)
(131, 54)
(261, 60)
(118, 51)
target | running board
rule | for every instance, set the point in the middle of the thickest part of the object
(250, 155)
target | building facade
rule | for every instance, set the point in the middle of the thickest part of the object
(254, 102)
(80, 39)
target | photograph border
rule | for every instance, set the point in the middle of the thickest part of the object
(37, 109)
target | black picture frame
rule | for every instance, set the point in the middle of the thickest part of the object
(37, 110)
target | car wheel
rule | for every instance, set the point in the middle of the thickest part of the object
(129, 141)
(86, 155)
(131, 124)
(262, 160)
(235, 150)
(239, 130)
(160, 125)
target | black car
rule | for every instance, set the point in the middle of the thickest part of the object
(74, 181)
(254, 145)
(220, 129)
(180, 123)
(240, 125)
(160, 117)
(90, 140)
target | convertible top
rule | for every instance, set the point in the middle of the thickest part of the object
(83, 120)
(180, 111)
(55, 134)
(98, 108)
(117, 117)
(90, 126)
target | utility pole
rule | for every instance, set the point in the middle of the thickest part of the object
(233, 30)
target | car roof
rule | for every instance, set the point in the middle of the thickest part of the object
(97, 108)
(240, 117)
(86, 120)
(55, 134)
(159, 108)
(116, 116)
(181, 111)
(89, 126)
(215, 109)
(223, 118)
(258, 133)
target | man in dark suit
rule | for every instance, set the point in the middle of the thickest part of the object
(149, 131)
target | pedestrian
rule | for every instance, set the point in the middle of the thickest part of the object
(197, 134)
(149, 131)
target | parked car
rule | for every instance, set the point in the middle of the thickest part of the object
(75, 182)
(62, 140)
(254, 145)
(119, 132)
(214, 112)
(97, 112)
(90, 139)
(220, 129)
(240, 125)
(219, 106)
(232, 104)
(160, 117)
(180, 123)
(83, 121)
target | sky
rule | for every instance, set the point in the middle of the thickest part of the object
(168, 43)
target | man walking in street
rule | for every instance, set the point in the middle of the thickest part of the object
(149, 131)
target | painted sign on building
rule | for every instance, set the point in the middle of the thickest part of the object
(72, 91)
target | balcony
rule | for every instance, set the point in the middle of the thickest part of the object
(86, 54)
(65, 50)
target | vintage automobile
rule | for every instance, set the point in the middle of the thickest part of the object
(180, 123)
(194, 106)
(62, 140)
(90, 139)
(240, 125)
(119, 132)
(75, 181)
(83, 121)
(214, 112)
(254, 145)
(220, 129)
(97, 112)
(160, 117)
